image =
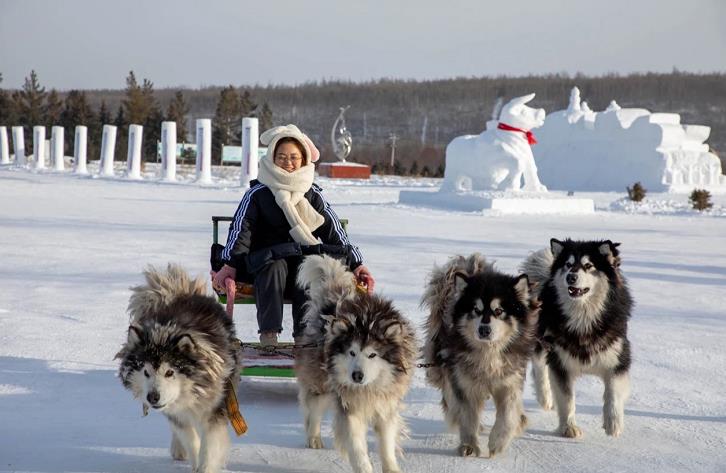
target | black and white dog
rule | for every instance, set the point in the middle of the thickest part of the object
(180, 358)
(480, 335)
(586, 305)
(359, 359)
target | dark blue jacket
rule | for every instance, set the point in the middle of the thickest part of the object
(259, 223)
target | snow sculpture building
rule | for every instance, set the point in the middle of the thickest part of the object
(582, 150)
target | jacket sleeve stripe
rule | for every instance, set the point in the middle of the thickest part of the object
(338, 227)
(237, 222)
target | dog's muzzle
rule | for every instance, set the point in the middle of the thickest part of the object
(576, 292)
(153, 398)
(357, 376)
(484, 331)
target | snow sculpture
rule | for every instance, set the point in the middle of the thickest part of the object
(133, 157)
(19, 145)
(582, 150)
(168, 151)
(57, 153)
(108, 148)
(79, 149)
(4, 147)
(250, 140)
(204, 151)
(499, 158)
(39, 146)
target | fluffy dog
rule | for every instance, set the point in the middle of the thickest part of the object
(358, 356)
(586, 305)
(180, 357)
(480, 334)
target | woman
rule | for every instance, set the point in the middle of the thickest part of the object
(282, 217)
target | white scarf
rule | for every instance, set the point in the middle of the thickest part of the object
(289, 189)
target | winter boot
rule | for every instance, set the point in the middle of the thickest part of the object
(268, 340)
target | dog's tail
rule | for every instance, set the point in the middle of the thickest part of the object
(161, 288)
(439, 296)
(538, 266)
(326, 279)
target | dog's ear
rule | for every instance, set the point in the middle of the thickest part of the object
(394, 331)
(338, 326)
(185, 343)
(610, 251)
(461, 280)
(521, 287)
(556, 246)
(134, 336)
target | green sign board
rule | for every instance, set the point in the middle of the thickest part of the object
(233, 154)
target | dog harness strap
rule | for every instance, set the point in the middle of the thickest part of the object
(235, 416)
(530, 136)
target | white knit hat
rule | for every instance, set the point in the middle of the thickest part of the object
(270, 138)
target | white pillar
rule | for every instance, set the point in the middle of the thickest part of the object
(57, 148)
(204, 151)
(19, 145)
(108, 147)
(168, 151)
(4, 147)
(133, 160)
(250, 140)
(39, 146)
(79, 149)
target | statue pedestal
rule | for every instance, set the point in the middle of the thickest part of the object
(344, 170)
(505, 202)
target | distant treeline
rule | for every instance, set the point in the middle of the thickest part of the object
(426, 115)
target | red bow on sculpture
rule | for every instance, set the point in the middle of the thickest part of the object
(530, 136)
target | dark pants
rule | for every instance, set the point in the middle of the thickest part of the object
(273, 283)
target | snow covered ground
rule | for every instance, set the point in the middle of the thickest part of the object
(70, 248)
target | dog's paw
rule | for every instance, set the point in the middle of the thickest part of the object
(179, 455)
(177, 450)
(545, 402)
(315, 442)
(497, 446)
(571, 431)
(386, 470)
(465, 450)
(522, 423)
(363, 467)
(613, 426)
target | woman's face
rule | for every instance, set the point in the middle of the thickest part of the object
(288, 156)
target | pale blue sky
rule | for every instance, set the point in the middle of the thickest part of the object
(94, 43)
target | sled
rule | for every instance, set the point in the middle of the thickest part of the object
(270, 363)
(275, 361)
